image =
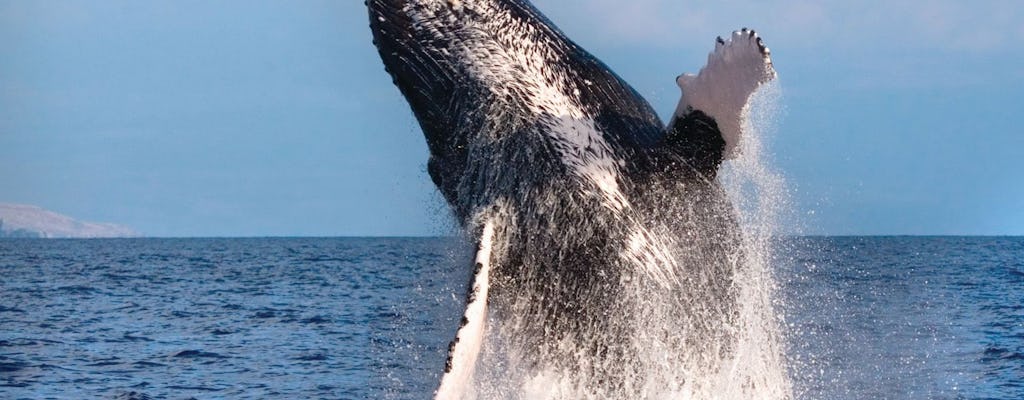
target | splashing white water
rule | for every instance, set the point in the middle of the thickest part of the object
(760, 197)
(731, 343)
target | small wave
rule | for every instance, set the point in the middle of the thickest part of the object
(128, 306)
(132, 395)
(27, 342)
(199, 261)
(77, 289)
(388, 315)
(47, 367)
(127, 336)
(312, 357)
(104, 364)
(200, 388)
(234, 290)
(992, 354)
(289, 315)
(316, 320)
(323, 258)
(8, 367)
(182, 314)
(147, 364)
(196, 354)
(89, 340)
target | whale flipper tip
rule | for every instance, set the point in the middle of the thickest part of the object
(735, 69)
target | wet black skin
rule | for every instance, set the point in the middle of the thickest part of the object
(559, 270)
(452, 108)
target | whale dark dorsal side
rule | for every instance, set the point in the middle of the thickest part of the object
(425, 47)
(582, 202)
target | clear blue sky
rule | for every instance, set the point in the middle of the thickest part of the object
(242, 118)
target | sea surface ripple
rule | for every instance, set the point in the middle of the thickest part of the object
(349, 318)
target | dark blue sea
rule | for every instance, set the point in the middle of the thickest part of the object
(864, 317)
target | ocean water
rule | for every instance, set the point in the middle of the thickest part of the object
(864, 317)
(905, 317)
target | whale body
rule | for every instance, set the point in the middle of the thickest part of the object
(584, 205)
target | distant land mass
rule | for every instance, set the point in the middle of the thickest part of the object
(25, 221)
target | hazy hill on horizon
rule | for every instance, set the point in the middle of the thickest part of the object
(28, 221)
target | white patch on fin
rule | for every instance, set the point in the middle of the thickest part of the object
(735, 69)
(464, 350)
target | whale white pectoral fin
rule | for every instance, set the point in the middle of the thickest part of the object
(734, 71)
(465, 348)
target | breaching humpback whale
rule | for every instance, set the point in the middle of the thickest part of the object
(584, 205)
